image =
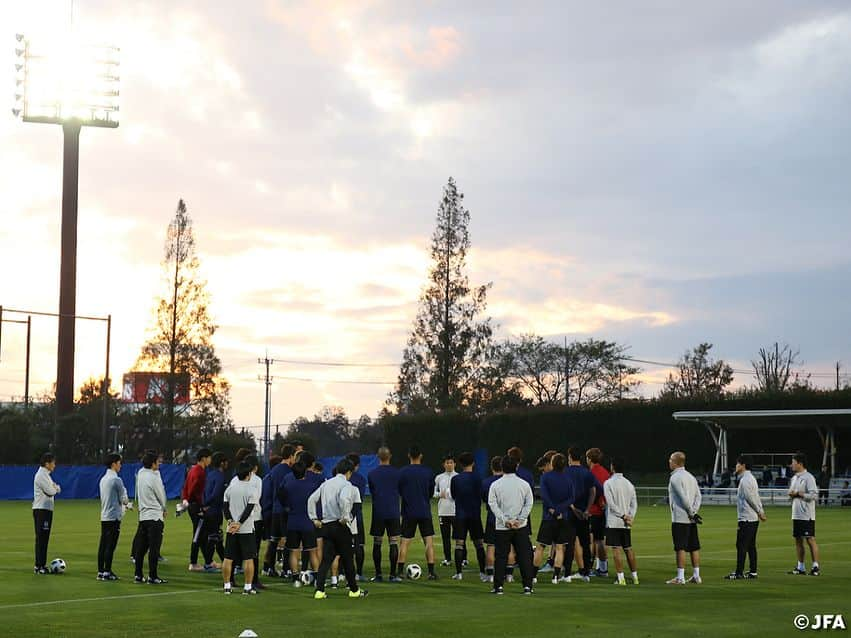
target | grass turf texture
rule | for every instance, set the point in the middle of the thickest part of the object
(191, 604)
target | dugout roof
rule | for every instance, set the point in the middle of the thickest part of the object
(824, 422)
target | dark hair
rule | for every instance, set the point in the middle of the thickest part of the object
(800, 457)
(46, 458)
(449, 456)
(299, 469)
(574, 453)
(274, 460)
(415, 452)
(319, 468)
(111, 458)
(306, 458)
(203, 453)
(296, 443)
(218, 459)
(354, 458)
(344, 466)
(287, 451)
(242, 470)
(149, 459)
(509, 464)
(617, 464)
(241, 453)
(595, 454)
(559, 462)
(542, 462)
(252, 460)
(466, 459)
(745, 460)
(516, 453)
(496, 464)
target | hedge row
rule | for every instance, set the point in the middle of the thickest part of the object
(644, 432)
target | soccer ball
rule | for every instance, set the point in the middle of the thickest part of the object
(306, 578)
(414, 571)
(57, 566)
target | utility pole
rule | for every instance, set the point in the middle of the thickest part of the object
(268, 416)
(838, 365)
(566, 374)
(28, 324)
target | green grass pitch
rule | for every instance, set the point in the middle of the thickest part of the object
(76, 605)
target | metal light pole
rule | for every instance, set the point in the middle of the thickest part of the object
(74, 86)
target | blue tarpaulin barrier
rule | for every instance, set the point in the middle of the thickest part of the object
(368, 462)
(81, 481)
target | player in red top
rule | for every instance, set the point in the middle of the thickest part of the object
(193, 499)
(594, 456)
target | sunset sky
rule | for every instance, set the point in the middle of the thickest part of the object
(656, 173)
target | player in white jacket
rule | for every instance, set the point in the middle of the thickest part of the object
(803, 492)
(621, 507)
(684, 497)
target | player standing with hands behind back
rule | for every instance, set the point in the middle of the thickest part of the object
(684, 497)
(44, 489)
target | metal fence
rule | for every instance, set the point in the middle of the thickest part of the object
(727, 496)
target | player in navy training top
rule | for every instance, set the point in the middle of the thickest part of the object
(585, 488)
(301, 533)
(415, 481)
(490, 520)
(383, 484)
(466, 490)
(278, 533)
(267, 499)
(526, 474)
(558, 496)
(359, 481)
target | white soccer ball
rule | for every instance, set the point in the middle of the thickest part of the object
(57, 566)
(414, 571)
(306, 578)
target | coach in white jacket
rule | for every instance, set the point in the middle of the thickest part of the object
(684, 497)
(510, 499)
(749, 512)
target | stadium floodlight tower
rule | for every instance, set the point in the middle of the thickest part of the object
(73, 85)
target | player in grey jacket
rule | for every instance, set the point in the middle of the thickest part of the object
(750, 512)
(113, 503)
(44, 489)
(803, 492)
(621, 508)
(684, 497)
(150, 493)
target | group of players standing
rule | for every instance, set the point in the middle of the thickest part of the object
(314, 527)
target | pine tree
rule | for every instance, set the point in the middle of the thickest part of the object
(447, 355)
(181, 345)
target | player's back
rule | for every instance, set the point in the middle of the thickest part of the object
(384, 487)
(486, 486)
(466, 490)
(415, 489)
(297, 493)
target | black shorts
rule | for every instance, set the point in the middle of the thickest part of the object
(490, 532)
(446, 520)
(410, 525)
(598, 527)
(471, 526)
(617, 537)
(803, 529)
(685, 537)
(391, 526)
(301, 540)
(240, 547)
(279, 526)
(547, 532)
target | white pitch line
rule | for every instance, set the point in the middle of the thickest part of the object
(89, 600)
